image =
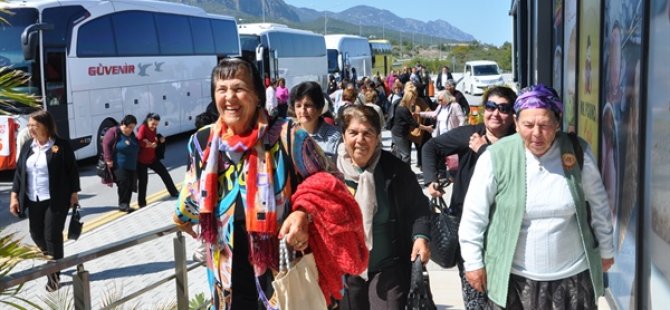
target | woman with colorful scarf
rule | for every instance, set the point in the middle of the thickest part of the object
(242, 173)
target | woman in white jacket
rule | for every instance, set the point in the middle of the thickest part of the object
(448, 114)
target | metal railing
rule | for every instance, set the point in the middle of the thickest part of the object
(81, 284)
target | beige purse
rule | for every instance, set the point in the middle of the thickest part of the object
(297, 285)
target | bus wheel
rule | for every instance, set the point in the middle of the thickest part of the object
(106, 124)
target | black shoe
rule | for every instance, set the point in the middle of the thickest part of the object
(125, 208)
(53, 282)
(174, 194)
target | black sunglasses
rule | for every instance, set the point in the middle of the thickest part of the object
(504, 108)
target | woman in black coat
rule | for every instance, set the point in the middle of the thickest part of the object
(46, 182)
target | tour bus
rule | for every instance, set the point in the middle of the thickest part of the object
(346, 52)
(279, 51)
(382, 56)
(92, 62)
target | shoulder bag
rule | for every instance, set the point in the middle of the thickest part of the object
(445, 249)
(297, 283)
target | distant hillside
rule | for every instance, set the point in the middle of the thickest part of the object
(366, 20)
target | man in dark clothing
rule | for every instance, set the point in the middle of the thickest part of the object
(442, 78)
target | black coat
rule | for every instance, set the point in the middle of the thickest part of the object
(409, 206)
(455, 141)
(63, 174)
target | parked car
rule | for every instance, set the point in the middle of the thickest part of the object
(478, 75)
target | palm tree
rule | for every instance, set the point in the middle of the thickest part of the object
(13, 252)
(10, 79)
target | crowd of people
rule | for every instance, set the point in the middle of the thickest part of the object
(304, 166)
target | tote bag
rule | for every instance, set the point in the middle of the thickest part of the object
(445, 249)
(297, 283)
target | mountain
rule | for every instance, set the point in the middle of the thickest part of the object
(370, 16)
(381, 20)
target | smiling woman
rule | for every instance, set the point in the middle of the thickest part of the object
(395, 214)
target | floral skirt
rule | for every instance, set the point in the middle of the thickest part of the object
(573, 293)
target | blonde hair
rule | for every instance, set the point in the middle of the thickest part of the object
(410, 95)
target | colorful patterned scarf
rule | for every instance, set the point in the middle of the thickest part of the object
(254, 185)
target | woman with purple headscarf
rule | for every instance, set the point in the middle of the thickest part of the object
(536, 232)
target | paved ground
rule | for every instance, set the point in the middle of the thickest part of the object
(125, 272)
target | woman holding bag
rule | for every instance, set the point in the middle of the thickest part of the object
(394, 210)
(46, 182)
(469, 142)
(243, 172)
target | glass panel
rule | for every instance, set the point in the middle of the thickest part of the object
(135, 34)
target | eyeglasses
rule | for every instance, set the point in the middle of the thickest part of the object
(504, 108)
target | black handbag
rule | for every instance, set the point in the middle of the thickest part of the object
(103, 171)
(445, 249)
(74, 229)
(419, 297)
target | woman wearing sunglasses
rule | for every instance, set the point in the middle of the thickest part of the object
(469, 142)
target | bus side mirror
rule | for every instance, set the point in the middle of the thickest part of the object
(29, 39)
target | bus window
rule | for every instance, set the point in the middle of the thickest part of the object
(174, 34)
(203, 38)
(95, 39)
(135, 33)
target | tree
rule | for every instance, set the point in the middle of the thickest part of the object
(10, 79)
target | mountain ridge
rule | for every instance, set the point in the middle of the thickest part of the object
(357, 16)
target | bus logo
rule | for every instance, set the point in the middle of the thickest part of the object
(101, 70)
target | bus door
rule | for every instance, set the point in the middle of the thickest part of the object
(274, 63)
(55, 95)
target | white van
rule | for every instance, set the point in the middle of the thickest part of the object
(478, 75)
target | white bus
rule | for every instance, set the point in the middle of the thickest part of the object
(92, 62)
(346, 52)
(280, 51)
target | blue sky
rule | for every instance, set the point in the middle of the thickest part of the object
(487, 20)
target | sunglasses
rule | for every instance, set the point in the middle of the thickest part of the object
(504, 108)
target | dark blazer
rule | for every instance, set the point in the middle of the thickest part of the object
(409, 206)
(63, 174)
(439, 84)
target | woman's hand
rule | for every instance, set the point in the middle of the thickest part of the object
(434, 190)
(476, 141)
(477, 279)
(184, 226)
(295, 230)
(421, 249)
(14, 206)
(428, 129)
(607, 263)
(74, 199)
(110, 164)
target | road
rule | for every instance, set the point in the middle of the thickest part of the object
(98, 201)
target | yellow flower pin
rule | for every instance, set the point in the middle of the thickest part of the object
(54, 149)
(569, 161)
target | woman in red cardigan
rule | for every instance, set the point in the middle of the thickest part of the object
(149, 142)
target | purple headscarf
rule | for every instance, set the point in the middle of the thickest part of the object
(539, 97)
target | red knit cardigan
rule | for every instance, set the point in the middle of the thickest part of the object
(336, 232)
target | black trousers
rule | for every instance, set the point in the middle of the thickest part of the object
(386, 289)
(143, 179)
(402, 148)
(46, 226)
(245, 294)
(125, 182)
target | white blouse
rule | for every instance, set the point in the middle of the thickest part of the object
(549, 245)
(37, 172)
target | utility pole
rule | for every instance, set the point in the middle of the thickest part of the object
(359, 28)
(263, 9)
(383, 32)
(325, 22)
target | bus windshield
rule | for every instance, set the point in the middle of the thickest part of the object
(11, 54)
(249, 42)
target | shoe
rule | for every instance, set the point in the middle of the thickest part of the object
(125, 208)
(53, 282)
(175, 195)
